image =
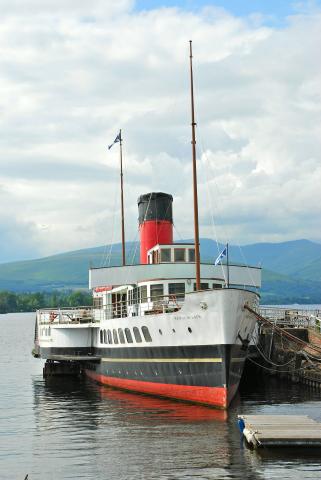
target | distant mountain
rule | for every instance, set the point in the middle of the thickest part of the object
(300, 258)
(285, 290)
(291, 270)
(65, 270)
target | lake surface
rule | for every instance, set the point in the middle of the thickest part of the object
(75, 429)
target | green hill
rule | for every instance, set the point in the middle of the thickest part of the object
(292, 270)
(283, 289)
(297, 258)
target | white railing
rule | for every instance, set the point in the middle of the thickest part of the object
(292, 316)
(65, 315)
(80, 315)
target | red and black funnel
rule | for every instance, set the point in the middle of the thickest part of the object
(155, 221)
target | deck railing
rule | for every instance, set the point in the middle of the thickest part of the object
(65, 315)
(120, 309)
(293, 317)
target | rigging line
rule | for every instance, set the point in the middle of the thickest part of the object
(308, 356)
(104, 259)
(246, 263)
(211, 208)
(212, 214)
(203, 152)
(134, 250)
(293, 370)
(209, 197)
(178, 233)
(136, 246)
(269, 360)
(207, 190)
(108, 258)
(288, 335)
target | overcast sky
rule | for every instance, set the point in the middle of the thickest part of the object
(74, 72)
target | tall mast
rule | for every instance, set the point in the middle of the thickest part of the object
(196, 232)
(122, 199)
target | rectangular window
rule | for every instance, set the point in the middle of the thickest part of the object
(217, 285)
(204, 286)
(179, 254)
(156, 291)
(177, 290)
(98, 302)
(135, 294)
(143, 294)
(165, 255)
(191, 254)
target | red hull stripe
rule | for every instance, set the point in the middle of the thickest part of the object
(216, 396)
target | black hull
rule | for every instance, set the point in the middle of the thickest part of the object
(178, 372)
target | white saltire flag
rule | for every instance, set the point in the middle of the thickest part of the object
(117, 139)
(221, 256)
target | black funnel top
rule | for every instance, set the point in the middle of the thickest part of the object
(155, 206)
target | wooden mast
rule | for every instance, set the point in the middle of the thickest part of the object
(196, 231)
(122, 199)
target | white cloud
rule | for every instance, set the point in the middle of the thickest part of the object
(71, 75)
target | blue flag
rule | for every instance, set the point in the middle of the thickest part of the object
(221, 256)
(117, 139)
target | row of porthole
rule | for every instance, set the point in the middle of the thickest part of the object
(124, 336)
(174, 331)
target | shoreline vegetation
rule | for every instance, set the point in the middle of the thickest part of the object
(15, 302)
(12, 302)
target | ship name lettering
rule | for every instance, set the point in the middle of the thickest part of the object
(187, 317)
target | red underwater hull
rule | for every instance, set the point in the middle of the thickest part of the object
(214, 396)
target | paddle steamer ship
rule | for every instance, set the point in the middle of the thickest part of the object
(149, 330)
(170, 326)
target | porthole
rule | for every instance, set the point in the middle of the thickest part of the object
(189, 329)
(173, 330)
(137, 335)
(128, 335)
(160, 332)
(121, 335)
(146, 334)
(115, 336)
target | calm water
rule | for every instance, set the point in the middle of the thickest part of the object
(76, 429)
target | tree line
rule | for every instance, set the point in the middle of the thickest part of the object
(11, 302)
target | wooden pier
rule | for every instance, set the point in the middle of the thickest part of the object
(280, 430)
(288, 344)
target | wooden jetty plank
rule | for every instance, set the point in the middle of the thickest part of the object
(281, 430)
(302, 428)
(275, 418)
